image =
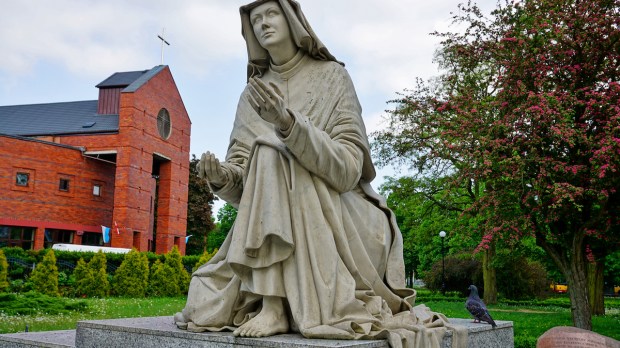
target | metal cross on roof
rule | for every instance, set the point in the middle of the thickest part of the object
(163, 41)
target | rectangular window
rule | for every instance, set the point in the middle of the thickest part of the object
(96, 190)
(92, 238)
(21, 179)
(16, 236)
(64, 185)
(53, 236)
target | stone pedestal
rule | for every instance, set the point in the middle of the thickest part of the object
(160, 332)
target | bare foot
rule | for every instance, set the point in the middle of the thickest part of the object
(270, 321)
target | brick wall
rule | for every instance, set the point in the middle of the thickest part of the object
(42, 204)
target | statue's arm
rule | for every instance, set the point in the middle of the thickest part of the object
(335, 152)
(233, 169)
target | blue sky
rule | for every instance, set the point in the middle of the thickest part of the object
(57, 51)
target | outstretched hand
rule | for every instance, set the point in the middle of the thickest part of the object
(268, 102)
(210, 168)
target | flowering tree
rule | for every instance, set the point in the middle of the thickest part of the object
(529, 107)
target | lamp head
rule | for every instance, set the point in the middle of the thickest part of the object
(442, 234)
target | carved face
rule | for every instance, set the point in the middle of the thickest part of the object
(270, 25)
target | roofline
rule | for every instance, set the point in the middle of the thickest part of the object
(17, 137)
(67, 102)
(104, 132)
(140, 81)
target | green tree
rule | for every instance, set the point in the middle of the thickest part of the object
(204, 258)
(161, 281)
(179, 276)
(45, 275)
(4, 272)
(199, 211)
(226, 217)
(545, 140)
(170, 277)
(131, 278)
(98, 266)
(83, 278)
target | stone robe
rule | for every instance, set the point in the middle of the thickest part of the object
(309, 227)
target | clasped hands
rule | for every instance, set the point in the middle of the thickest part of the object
(268, 102)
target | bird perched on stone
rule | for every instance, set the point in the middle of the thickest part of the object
(476, 307)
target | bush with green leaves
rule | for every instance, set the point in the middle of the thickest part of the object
(91, 279)
(33, 303)
(45, 275)
(4, 272)
(519, 278)
(170, 277)
(175, 261)
(161, 281)
(131, 278)
(204, 258)
(461, 270)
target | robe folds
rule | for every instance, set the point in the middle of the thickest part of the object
(309, 227)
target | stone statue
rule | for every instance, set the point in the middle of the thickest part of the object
(314, 249)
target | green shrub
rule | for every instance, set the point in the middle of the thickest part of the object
(45, 275)
(170, 277)
(204, 258)
(161, 281)
(520, 278)
(83, 278)
(36, 303)
(180, 275)
(461, 270)
(100, 287)
(4, 272)
(131, 278)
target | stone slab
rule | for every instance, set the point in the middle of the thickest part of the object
(160, 332)
(47, 339)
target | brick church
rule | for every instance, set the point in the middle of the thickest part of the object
(121, 161)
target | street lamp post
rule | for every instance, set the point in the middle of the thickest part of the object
(442, 235)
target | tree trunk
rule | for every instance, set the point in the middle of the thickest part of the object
(489, 275)
(573, 265)
(577, 278)
(595, 287)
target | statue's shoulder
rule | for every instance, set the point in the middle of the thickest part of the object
(332, 68)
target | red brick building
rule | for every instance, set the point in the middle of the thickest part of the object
(121, 161)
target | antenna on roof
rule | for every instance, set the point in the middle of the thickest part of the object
(163, 41)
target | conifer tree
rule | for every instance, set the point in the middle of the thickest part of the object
(100, 286)
(131, 278)
(45, 275)
(179, 274)
(204, 258)
(161, 280)
(83, 278)
(4, 271)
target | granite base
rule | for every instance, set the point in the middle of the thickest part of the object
(160, 332)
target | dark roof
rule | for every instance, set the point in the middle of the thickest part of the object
(142, 79)
(56, 119)
(133, 79)
(78, 117)
(121, 79)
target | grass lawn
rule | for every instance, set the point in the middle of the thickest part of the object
(530, 322)
(106, 308)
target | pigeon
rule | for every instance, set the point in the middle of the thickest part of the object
(476, 307)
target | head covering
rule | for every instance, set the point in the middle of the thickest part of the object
(303, 36)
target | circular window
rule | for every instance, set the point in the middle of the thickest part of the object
(163, 123)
